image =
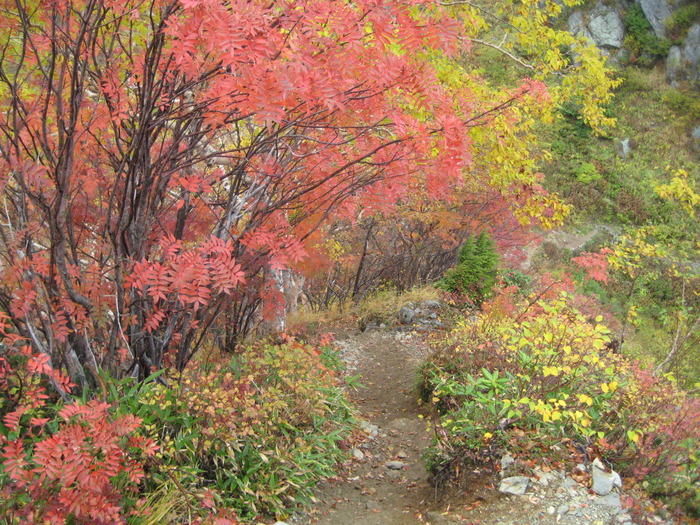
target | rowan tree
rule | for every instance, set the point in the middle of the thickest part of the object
(162, 161)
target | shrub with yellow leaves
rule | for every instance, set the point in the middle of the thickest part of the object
(547, 371)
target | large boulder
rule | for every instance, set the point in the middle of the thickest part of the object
(606, 27)
(674, 65)
(657, 12)
(602, 26)
(695, 139)
(577, 25)
(691, 51)
(683, 62)
(696, 133)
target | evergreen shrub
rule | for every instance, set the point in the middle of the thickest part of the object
(476, 269)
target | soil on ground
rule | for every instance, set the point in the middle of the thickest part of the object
(386, 482)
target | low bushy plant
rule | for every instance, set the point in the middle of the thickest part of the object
(63, 461)
(640, 40)
(545, 370)
(254, 434)
(681, 20)
(243, 437)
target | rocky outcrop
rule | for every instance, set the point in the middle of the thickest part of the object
(695, 137)
(657, 12)
(606, 27)
(683, 62)
(578, 26)
(603, 26)
(674, 65)
(691, 52)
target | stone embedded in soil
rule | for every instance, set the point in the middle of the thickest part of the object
(506, 461)
(570, 483)
(604, 482)
(369, 428)
(438, 518)
(406, 315)
(609, 500)
(545, 478)
(516, 485)
(431, 305)
(358, 454)
(395, 465)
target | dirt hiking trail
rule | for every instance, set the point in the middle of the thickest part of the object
(386, 482)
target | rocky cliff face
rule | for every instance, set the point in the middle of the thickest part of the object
(607, 25)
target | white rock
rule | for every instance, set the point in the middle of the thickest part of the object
(506, 461)
(610, 500)
(516, 485)
(606, 27)
(603, 481)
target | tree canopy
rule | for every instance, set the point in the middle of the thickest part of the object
(162, 161)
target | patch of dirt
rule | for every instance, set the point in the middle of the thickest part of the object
(371, 493)
(570, 240)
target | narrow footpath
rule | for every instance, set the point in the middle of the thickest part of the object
(387, 483)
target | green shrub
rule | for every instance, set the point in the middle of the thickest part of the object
(685, 104)
(540, 372)
(476, 270)
(587, 173)
(681, 20)
(254, 434)
(520, 280)
(640, 40)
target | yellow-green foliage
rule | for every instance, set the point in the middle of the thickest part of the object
(546, 370)
(550, 371)
(254, 434)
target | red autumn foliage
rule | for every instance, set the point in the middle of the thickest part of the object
(671, 421)
(161, 160)
(594, 264)
(81, 467)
